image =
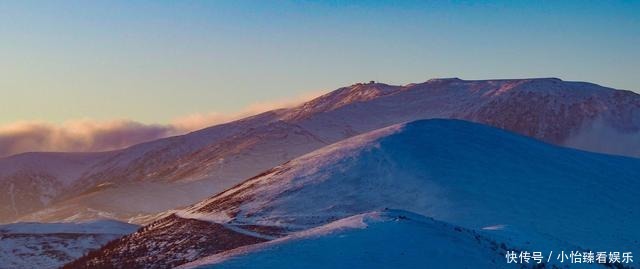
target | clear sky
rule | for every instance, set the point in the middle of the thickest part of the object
(152, 61)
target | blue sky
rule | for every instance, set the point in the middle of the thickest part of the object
(152, 61)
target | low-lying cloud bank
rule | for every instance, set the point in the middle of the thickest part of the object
(91, 135)
(77, 135)
(598, 136)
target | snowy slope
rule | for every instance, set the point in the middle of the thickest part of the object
(386, 239)
(525, 193)
(37, 245)
(177, 241)
(464, 173)
(155, 176)
(31, 181)
(211, 160)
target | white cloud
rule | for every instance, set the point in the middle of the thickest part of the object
(93, 135)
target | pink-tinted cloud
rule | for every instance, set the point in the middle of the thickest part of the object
(201, 120)
(91, 135)
(80, 135)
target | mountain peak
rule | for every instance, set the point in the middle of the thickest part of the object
(549, 79)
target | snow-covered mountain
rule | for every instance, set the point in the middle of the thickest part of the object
(31, 181)
(513, 189)
(151, 177)
(381, 239)
(51, 245)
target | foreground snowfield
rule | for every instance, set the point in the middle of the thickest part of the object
(519, 192)
(382, 239)
(50, 245)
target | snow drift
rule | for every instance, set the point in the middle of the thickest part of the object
(381, 239)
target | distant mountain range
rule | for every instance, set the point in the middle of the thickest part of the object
(502, 191)
(51, 245)
(135, 183)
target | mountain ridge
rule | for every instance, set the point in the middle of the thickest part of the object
(213, 159)
(516, 190)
